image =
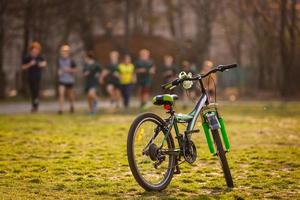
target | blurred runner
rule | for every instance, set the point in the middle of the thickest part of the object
(211, 81)
(91, 71)
(111, 79)
(144, 69)
(127, 77)
(188, 67)
(33, 63)
(170, 70)
(66, 78)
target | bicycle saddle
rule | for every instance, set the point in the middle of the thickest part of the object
(164, 99)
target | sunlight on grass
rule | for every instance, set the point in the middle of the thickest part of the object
(79, 156)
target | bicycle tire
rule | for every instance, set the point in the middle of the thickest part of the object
(222, 157)
(130, 154)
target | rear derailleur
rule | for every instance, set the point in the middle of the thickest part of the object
(154, 153)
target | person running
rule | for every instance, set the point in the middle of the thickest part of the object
(144, 68)
(33, 63)
(66, 78)
(211, 81)
(170, 70)
(127, 77)
(188, 67)
(111, 79)
(91, 71)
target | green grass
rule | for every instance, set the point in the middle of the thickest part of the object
(46, 156)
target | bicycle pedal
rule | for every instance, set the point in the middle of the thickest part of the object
(177, 170)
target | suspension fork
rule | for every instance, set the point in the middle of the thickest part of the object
(216, 122)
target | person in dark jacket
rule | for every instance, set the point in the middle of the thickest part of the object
(170, 70)
(33, 63)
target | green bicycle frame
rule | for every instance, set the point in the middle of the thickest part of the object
(191, 119)
(173, 122)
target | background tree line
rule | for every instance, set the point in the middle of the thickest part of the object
(260, 35)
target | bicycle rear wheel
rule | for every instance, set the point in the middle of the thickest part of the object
(152, 170)
(222, 157)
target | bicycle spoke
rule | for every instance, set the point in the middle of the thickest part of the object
(142, 143)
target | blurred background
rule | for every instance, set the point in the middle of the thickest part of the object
(261, 36)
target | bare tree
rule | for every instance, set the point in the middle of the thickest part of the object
(127, 26)
(275, 30)
(287, 37)
(174, 16)
(150, 17)
(3, 9)
(232, 19)
(206, 12)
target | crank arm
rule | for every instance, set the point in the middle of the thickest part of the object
(161, 159)
(175, 152)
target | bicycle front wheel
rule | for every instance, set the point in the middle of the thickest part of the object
(150, 168)
(222, 158)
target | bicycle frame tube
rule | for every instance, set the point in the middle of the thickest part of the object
(196, 111)
(172, 121)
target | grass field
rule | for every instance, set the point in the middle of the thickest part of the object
(46, 156)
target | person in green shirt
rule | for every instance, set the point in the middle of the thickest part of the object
(170, 70)
(91, 71)
(127, 77)
(144, 68)
(111, 79)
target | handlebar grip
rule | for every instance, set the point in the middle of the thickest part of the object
(225, 67)
(171, 84)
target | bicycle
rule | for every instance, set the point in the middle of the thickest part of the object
(152, 155)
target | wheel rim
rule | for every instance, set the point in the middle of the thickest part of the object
(143, 163)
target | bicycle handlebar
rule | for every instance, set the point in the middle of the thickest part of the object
(171, 85)
(226, 67)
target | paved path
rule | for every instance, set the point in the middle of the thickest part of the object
(24, 107)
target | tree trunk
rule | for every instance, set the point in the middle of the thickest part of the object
(127, 26)
(22, 87)
(135, 13)
(285, 88)
(206, 13)
(292, 52)
(150, 16)
(3, 6)
(170, 17)
(180, 28)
